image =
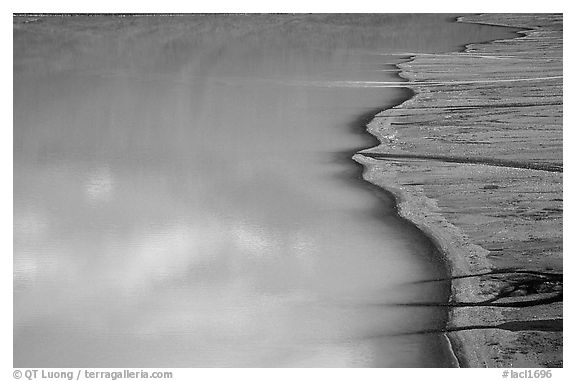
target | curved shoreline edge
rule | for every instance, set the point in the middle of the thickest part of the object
(431, 194)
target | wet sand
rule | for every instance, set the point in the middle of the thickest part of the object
(474, 159)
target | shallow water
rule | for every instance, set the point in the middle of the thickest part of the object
(183, 193)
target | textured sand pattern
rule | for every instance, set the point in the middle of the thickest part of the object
(475, 160)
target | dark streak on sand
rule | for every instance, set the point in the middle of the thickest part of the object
(546, 325)
(557, 276)
(549, 167)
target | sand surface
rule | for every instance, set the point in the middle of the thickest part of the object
(474, 159)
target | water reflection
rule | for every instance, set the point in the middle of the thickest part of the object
(177, 200)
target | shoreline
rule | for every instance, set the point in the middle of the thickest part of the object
(394, 164)
(358, 126)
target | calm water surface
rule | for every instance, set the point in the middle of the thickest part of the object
(183, 198)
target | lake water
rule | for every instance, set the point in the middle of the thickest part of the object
(184, 194)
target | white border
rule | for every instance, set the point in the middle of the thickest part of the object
(303, 6)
